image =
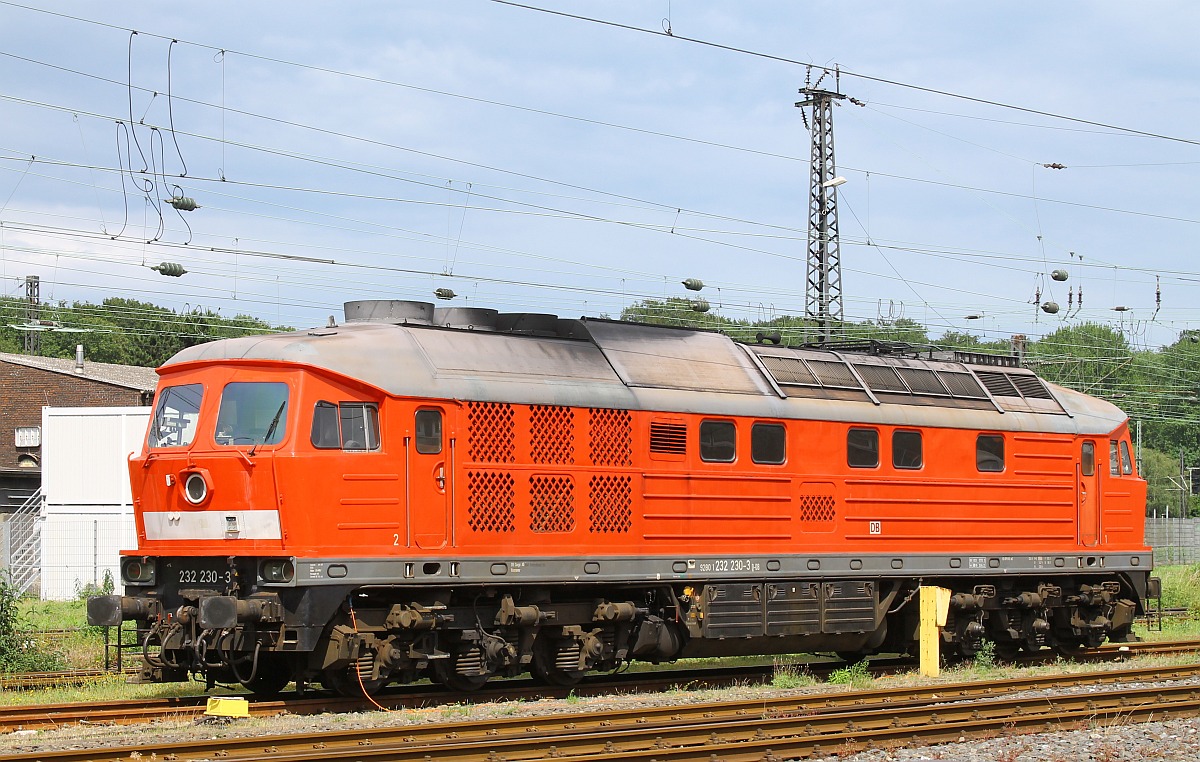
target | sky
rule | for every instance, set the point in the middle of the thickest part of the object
(542, 162)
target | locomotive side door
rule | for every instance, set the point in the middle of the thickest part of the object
(429, 474)
(1088, 494)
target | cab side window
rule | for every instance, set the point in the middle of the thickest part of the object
(1126, 461)
(352, 426)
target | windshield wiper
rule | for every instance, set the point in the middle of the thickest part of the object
(271, 428)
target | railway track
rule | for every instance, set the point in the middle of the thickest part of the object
(121, 712)
(732, 731)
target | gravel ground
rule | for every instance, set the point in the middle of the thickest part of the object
(1108, 742)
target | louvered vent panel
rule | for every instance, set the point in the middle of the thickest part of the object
(962, 384)
(834, 374)
(789, 370)
(552, 434)
(881, 378)
(1031, 387)
(610, 437)
(668, 438)
(997, 383)
(490, 432)
(551, 504)
(922, 381)
(491, 502)
(610, 504)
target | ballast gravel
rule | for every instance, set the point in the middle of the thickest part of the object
(1107, 741)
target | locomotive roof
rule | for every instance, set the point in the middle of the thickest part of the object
(601, 363)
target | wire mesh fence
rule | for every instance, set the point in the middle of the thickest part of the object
(1175, 540)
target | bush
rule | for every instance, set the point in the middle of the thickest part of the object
(106, 587)
(18, 651)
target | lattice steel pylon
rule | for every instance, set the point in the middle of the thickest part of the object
(33, 314)
(823, 288)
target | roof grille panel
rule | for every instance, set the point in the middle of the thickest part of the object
(922, 381)
(834, 374)
(997, 383)
(789, 370)
(1031, 387)
(881, 378)
(962, 384)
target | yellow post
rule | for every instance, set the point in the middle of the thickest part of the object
(935, 605)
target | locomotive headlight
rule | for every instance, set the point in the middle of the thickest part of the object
(195, 488)
(138, 571)
(278, 570)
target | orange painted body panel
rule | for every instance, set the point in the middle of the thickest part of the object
(517, 480)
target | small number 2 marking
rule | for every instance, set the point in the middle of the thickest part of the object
(876, 527)
(395, 539)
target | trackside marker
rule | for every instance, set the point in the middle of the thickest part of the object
(935, 605)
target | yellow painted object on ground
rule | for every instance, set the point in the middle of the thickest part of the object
(935, 605)
(227, 706)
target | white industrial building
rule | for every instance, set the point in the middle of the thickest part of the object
(87, 508)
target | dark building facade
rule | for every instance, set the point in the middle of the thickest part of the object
(28, 383)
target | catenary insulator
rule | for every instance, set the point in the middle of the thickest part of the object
(700, 305)
(183, 203)
(174, 269)
(444, 293)
(1059, 275)
(1050, 308)
(693, 284)
(1121, 308)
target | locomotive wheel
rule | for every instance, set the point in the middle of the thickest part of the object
(545, 671)
(443, 673)
(270, 678)
(346, 682)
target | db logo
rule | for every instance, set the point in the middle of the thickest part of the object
(876, 527)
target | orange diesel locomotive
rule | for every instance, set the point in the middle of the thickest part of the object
(457, 494)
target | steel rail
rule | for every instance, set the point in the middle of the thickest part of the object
(821, 716)
(37, 717)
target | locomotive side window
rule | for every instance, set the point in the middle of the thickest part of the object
(252, 412)
(360, 426)
(1114, 460)
(862, 448)
(989, 452)
(906, 449)
(1087, 459)
(429, 432)
(175, 415)
(1126, 461)
(718, 441)
(347, 426)
(325, 427)
(768, 443)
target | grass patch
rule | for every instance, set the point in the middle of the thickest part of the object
(788, 675)
(1180, 586)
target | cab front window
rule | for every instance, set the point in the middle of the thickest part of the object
(175, 416)
(252, 413)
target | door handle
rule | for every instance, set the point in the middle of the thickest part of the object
(440, 477)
